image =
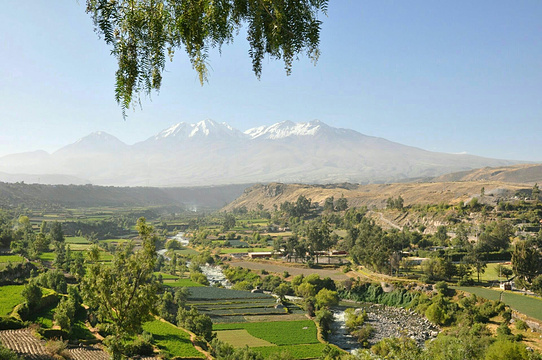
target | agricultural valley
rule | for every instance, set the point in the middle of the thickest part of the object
(274, 271)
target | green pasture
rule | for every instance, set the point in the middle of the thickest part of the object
(47, 256)
(524, 304)
(278, 332)
(172, 340)
(244, 250)
(182, 283)
(302, 351)
(11, 259)
(10, 296)
(76, 240)
(166, 276)
(491, 273)
(241, 338)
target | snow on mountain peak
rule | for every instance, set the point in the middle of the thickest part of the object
(204, 129)
(286, 129)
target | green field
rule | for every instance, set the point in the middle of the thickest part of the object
(310, 351)
(11, 259)
(241, 338)
(182, 283)
(47, 256)
(76, 240)
(492, 272)
(244, 250)
(278, 332)
(166, 276)
(524, 304)
(10, 296)
(171, 339)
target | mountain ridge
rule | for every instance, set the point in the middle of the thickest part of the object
(211, 153)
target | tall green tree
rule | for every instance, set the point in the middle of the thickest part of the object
(124, 293)
(143, 34)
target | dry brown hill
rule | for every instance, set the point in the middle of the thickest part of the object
(377, 194)
(522, 174)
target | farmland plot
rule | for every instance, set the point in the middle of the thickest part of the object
(298, 338)
(225, 305)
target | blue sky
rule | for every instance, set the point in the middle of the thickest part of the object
(454, 77)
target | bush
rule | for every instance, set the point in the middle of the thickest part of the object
(56, 347)
(7, 354)
(32, 294)
(442, 288)
(199, 278)
(506, 350)
(10, 323)
(141, 346)
(363, 334)
(521, 325)
(503, 329)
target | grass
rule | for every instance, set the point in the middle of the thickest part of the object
(492, 272)
(10, 296)
(244, 250)
(311, 351)
(241, 338)
(524, 304)
(44, 317)
(278, 332)
(171, 339)
(76, 240)
(47, 256)
(186, 251)
(182, 283)
(11, 259)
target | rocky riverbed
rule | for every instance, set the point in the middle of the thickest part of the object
(388, 322)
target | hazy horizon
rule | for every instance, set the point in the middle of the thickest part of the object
(448, 77)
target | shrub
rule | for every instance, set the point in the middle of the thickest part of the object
(32, 294)
(442, 287)
(521, 325)
(199, 278)
(503, 329)
(506, 350)
(141, 346)
(7, 354)
(10, 323)
(363, 334)
(56, 347)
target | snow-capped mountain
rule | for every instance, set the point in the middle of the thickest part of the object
(208, 129)
(209, 153)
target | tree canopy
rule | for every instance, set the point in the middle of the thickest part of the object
(143, 33)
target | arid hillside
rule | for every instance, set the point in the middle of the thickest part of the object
(522, 174)
(375, 195)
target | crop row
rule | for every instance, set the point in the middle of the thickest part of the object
(234, 306)
(278, 332)
(247, 303)
(213, 293)
(253, 311)
(310, 351)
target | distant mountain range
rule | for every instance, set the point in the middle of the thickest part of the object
(209, 153)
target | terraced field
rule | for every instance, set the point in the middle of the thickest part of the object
(225, 305)
(524, 304)
(172, 340)
(298, 338)
(10, 296)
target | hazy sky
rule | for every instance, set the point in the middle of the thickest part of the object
(454, 76)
